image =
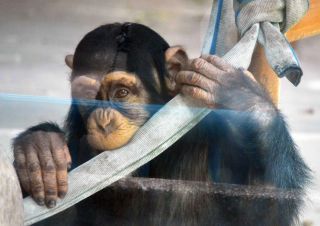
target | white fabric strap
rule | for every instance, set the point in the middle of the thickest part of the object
(11, 212)
(174, 119)
(151, 140)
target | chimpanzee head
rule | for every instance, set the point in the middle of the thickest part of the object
(123, 69)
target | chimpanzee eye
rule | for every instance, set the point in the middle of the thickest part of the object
(121, 93)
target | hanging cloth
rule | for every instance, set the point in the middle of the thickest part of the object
(274, 17)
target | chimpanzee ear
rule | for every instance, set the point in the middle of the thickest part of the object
(69, 60)
(176, 60)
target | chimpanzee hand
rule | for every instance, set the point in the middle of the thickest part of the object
(85, 87)
(41, 160)
(216, 84)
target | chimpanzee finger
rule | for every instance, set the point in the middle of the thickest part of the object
(35, 176)
(21, 167)
(249, 74)
(68, 156)
(219, 63)
(59, 157)
(49, 175)
(205, 68)
(195, 79)
(84, 87)
(202, 96)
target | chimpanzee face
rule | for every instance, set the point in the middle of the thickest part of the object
(114, 82)
(118, 109)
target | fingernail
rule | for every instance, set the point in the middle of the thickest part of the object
(51, 203)
(40, 201)
(61, 194)
(69, 165)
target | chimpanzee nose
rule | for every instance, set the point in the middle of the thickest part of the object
(104, 120)
(105, 128)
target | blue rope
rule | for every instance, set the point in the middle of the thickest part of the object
(216, 29)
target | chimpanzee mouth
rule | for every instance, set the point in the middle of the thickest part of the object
(108, 129)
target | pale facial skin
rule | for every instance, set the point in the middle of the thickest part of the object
(107, 128)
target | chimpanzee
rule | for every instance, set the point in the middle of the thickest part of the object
(118, 72)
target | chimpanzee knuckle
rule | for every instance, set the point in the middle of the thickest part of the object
(63, 183)
(61, 165)
(35, 141)
(34, 167)
(198, 64)
(190, 78)
(22, 143)
(56, 142)
(193, 91)
(62, 138)
(57, 136)
(38, 137)
(67, 155)
(232, 70)
(49, 167)
(50, 191)
(196, 78)
(185, 90)
(18, 165)
(177, 77)
(37, 134)
(213, 58)
(37, 188)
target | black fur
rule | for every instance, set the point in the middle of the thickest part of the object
(45, 127)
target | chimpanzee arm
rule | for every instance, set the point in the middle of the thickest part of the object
(41, 161)
(255, 148)
(260, 135)
(251, 139)
(255, 127)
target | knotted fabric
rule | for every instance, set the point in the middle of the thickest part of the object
(269, 19)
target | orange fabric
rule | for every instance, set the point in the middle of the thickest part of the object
(309, 25)
(264, 74)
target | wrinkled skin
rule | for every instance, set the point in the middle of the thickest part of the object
(41, 161)
(214, 83)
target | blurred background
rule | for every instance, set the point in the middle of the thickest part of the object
(36, 35)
